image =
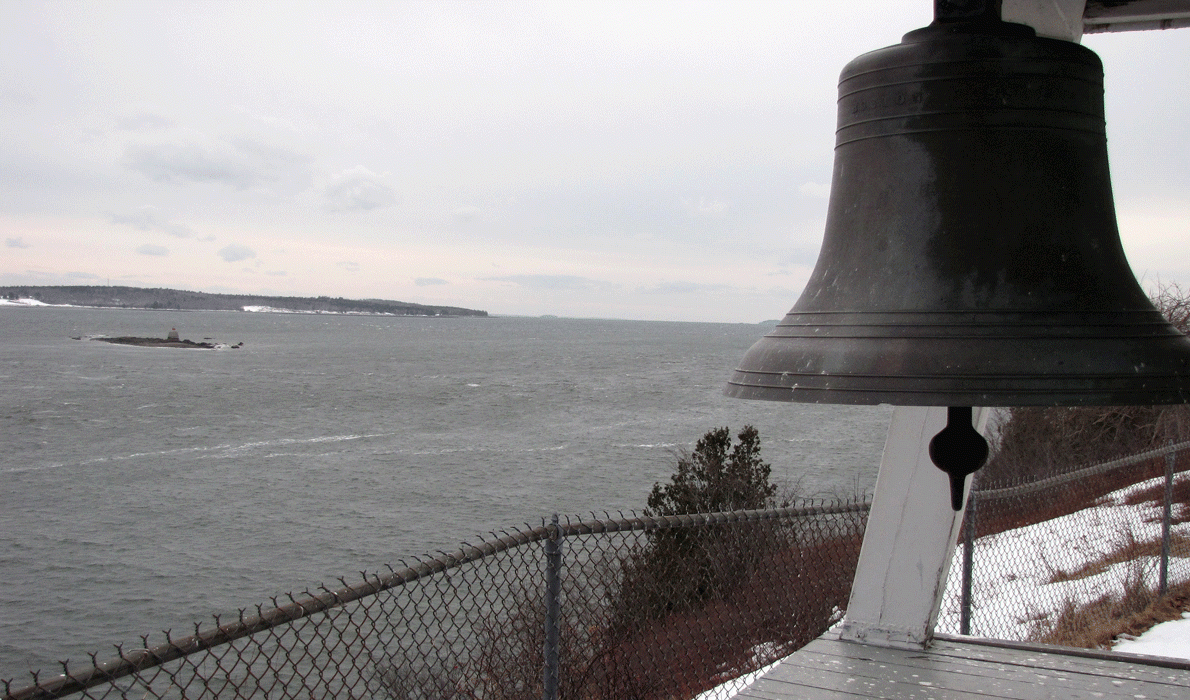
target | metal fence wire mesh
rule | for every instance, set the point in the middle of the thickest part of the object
(635, 607)
(1054, 560)
(667, 607)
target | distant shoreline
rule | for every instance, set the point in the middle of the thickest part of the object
(161, 299)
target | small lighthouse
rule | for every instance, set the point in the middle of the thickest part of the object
(173, 335)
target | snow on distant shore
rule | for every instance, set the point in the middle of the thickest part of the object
(253, 309)
(277, 310)
(23, 302)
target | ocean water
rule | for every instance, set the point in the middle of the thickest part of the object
(142, 489)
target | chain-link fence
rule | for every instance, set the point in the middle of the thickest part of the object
(636, 607)
(666, 607)
(1059, 559)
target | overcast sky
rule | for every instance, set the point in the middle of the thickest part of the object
(643, 160)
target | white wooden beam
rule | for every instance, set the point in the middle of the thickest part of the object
(1056, 19)
(910, 538)
(1070, 19)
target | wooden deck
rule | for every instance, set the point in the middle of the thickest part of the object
(954, 668)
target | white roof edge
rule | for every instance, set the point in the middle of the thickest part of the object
(1098, 27)
(1137, 15)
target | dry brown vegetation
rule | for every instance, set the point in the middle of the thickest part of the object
(1136, 605)
(763, 614)
(1039, 506)
(1032, 444)
(1037, 442)
(1101, 623)
(1094, 624)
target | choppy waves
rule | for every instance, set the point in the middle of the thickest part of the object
(175, 485)
(222, 451)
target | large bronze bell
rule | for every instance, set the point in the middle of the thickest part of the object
(971, 255)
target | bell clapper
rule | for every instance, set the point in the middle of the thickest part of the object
(959, 450)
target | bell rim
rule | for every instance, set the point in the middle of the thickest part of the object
(1175, 392)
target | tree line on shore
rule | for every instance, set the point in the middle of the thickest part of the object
(184, 300)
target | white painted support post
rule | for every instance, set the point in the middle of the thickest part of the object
(910, 538)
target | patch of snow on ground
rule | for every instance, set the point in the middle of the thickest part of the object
(1170, 639)
(1014, 595)
(738, 685)
(735, 686)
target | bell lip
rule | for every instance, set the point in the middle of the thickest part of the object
(936, 397)
(955, 363)
(1000, 324)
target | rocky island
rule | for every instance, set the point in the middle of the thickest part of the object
(170, 341)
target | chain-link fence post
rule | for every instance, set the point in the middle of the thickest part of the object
(553, 609)
(968, 565)
(1165, 518)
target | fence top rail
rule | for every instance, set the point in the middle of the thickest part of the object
(1082, 473)
(664, 522)
(129, 662)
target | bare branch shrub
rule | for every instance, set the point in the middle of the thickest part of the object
(1038, 442)
(767, 612)
(1085, 625)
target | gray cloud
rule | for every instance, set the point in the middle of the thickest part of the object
(39, 277)
(273, 158)
(148, 218)
(235, 253)
(173, 162)
(551, 282)
(17, 96)
(359, 189)
(150, 249)
(143, 121)
(348, 265)
(237, 163)
(686, 288)
(704, 206)
(17, 242)
(428, 281)
(465, 215)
